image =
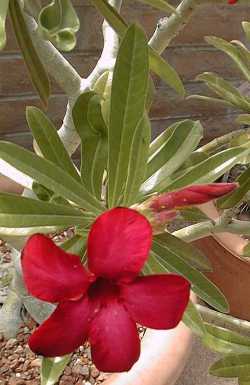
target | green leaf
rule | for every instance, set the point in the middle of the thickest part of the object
(49, 141)
(157, 64)
(17, 211)
(49, 175)
(173, 152)
(185, 250)
(128, 99)
(76, 245)
(225, 90)
(185, 137)
(161, 139)
(90, 125)
(165, 71)
(207, 171)
(243, 119)
(193, 320)
(4, 6)
(193, 214)
(246, 28)
(230, 200)
(206, 290)
(235, 365)
(234, 51)
(162, 5)
(35, 67)
(52, 369)
(138, 161)
(59, 23)
(244, 380)
(225, 341)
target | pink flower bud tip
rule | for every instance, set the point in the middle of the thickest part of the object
(191, 195)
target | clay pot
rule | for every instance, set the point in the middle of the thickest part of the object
(231, 272)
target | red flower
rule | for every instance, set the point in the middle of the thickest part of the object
(232, 1)
(104, 303)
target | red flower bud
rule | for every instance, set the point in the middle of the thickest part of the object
(189, 196)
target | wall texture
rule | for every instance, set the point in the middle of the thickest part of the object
(188, 53)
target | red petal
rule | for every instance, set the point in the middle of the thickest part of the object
(114, 340)
(50, 273)
(191, 195)
(118, 244)
(157, 301)
(64, 331)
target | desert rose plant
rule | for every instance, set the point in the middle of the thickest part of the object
(121, 266)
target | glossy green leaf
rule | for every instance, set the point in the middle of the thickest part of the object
(90, 125)
(59, 23)
(241, 59)
(225, 341)
(207, 171)
(225, 90)
(193, 320)
(206, 290)
(49, 175)
(230, 200)
(189, 253)
(52, 369)
(165, 71)
(161, 139)
(193, 214)
(138, 161)
(49, 142)
(4, 6)
(17, 211)
(243, 119)
(202, 98)
(233, 365)
(244, 380)
(157, 64)
(35, 67)
(246, 28)
(173, 152)
(162, 5)
(128, 99)
(76, 245)
(185, 137)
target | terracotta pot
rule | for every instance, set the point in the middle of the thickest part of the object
(231, 273)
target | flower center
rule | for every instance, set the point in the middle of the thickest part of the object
(103, 290)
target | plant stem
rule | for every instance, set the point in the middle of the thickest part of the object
(110, 48)
(224, 320)
(222, 141)
(204, 229)
(57, 66)
(168, 27)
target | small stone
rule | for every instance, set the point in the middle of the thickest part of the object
(11, 343)
(81, 369)
(18, 350)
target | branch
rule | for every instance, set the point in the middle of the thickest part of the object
(224, 320)
(54, 62)
(110, 48)
(204, 229)
(106, 62)
(168, 27)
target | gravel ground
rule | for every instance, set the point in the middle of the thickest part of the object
(20, 366)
